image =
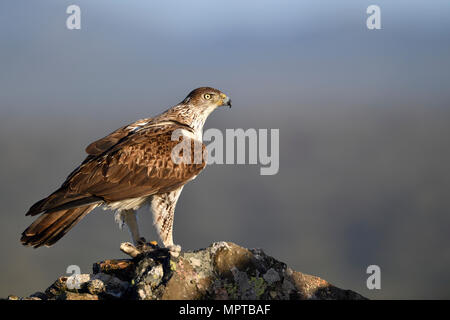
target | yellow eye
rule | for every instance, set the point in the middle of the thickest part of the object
(207, 96)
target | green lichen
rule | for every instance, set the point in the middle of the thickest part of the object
(232, 290)
(259, 284)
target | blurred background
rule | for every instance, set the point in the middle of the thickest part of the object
(364, 119)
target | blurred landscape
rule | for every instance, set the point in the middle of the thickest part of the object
(364, 119)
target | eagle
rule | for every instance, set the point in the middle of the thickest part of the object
(129, 168)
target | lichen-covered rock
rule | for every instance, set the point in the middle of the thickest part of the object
(68, 295)
(122, 269)
(107, 285)
(57, 288)
(76, 281)
(224, 270)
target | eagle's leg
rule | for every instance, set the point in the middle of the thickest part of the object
(163, 208)
(129, 218)
(140, 245)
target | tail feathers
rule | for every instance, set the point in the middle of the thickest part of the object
(36, 208)
(50, 227)
(60, 200)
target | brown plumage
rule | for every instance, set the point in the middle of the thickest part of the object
(125, 169)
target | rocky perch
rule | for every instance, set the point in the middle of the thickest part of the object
(224, 270)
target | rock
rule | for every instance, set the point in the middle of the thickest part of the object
(58, 287)
(39, 295)
(122, 269)
(107, 285)
(224, 270)
(76, 296)
(96, 287)
(76, 281)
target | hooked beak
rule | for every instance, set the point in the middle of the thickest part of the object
(226, 101)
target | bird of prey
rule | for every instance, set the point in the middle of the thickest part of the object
(129, 168)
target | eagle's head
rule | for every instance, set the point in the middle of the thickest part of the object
(207, 98)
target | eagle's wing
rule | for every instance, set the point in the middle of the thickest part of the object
(98, 147)
(140, 164)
